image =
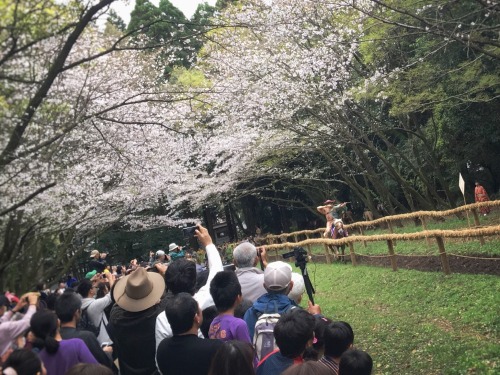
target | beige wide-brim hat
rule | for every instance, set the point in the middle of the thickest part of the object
(139, 291)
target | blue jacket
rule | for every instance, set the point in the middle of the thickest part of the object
(269, 303)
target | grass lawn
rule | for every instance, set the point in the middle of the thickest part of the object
(415, 322)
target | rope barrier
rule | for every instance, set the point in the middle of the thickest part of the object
(394, 218)
(471, 257)
(374, 256)
(478, 232)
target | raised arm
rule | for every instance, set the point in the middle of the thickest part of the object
(214, 264)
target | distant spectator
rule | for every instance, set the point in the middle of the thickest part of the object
(98, 262)
(367, 214)
(251, 278)
(338, 337)
(70, 281)
(185, 353)
(57, 355)
(233, 357)
(293, 332)
(381, 209)
(10, 329)
(175, 252)
(158, 257)
(355, 362)
(481, 195)
(23, 362)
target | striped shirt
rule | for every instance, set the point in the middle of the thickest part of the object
(330, 364)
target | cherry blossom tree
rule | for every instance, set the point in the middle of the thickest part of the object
(90, 135)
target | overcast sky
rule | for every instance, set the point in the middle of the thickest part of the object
(188, 7)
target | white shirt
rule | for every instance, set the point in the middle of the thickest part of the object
(203, 296)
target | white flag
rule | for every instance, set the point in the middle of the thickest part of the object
(461, 183)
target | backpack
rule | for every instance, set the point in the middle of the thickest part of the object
(85, 323)
(263, 337)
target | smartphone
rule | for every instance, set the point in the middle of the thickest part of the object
(188, 232)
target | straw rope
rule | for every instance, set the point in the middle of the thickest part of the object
(463, 233)
(393, 218)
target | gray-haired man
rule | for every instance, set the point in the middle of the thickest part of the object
(245, 257)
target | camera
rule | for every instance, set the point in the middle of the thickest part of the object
(189, 232)
(301, 259)
(299, 253)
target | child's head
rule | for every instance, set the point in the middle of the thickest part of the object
(233, 357)
(293, 332)
(208, 316)
(339, 337)
(225, 290)
(355, 362)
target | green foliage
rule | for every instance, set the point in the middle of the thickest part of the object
(114, 20)
(200, 22)
(189, 78)
(415, 322)
(164, 28)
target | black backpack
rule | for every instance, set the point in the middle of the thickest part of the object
(85, 323)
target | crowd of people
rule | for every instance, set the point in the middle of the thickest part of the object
(179, 319)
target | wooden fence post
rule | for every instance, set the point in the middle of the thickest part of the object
(424, 225)
(353, 254)
(394, 262)
(442, 253)
(361, 232)
(327, 254)
(477, 224)
(309, 251)
(391, 231)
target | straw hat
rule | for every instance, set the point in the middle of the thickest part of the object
(139, 291)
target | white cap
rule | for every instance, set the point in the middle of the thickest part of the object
(277, 275)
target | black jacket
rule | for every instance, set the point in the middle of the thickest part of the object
(133, 335)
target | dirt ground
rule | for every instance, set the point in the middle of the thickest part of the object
(433, 263)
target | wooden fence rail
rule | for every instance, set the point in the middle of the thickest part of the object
(438, 235)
